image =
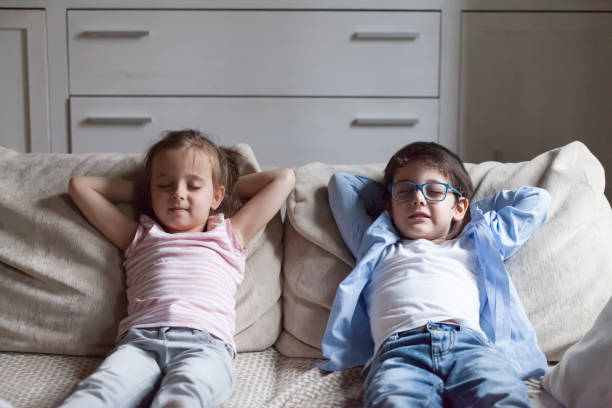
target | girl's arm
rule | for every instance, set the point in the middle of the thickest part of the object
(95, 197)
(355, 201)
(266, 192)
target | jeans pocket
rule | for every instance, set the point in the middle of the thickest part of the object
(479, 337)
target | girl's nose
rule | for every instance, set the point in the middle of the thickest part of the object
(179, 192)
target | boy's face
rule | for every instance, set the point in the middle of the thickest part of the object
(182, 189)
(418, 218)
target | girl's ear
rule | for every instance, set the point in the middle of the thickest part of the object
(218, 196)
(461, 208)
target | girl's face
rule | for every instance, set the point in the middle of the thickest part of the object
(182, 189)
(418, 218)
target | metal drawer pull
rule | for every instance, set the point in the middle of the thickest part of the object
(382, 35)
(385, 121)
(115, 33)
(110, 120)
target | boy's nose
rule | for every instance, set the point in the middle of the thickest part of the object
(418, 196)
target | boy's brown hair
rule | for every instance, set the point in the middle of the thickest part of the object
(436, 156)
(439, 158)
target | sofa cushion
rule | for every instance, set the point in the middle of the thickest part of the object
(562, 274)
(61, 281)
(572, 381)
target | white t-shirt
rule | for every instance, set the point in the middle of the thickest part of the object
(420, 281)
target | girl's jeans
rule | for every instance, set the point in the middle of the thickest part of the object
(441, 364)
(190, 367)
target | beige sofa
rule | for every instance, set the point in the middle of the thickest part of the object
(62, 288)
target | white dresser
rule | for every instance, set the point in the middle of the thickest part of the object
(298, 86)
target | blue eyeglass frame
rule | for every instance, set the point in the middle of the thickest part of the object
(420, 188)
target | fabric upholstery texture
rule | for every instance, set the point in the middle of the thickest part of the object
(266, 379)
(562, 274)
(572, 381)
(62, 282)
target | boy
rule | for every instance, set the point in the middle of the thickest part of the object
(429, 306)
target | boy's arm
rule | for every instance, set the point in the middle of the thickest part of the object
(266, 192)
(355, 201)
(96, 198)
(514, 215)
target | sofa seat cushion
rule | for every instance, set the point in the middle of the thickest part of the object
(563, 274)
(266, 379)
(61, 282)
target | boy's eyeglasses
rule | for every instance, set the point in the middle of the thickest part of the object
(404, 190)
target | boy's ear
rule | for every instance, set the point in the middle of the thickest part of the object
(218, 196)
(461, 208)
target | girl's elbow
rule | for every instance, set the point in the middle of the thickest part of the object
(288, 176)
(286, 179)
(73, 184)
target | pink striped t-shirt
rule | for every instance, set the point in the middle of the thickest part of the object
(184, 279)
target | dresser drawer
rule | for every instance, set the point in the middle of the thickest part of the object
(281, 131)
(271, 52)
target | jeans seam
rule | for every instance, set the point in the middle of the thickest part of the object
(458, 398)
(435, 390)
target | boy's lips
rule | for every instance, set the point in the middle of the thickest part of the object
(419, 215)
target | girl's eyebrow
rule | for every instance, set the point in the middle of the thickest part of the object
(195, 176)
(189, 176)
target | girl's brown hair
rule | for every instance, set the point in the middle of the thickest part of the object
(224, 162)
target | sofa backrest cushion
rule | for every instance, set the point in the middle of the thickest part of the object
(62, 283)
(563, 274)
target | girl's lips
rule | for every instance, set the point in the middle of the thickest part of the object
(419, 215)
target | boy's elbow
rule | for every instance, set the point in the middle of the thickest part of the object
(335, 183)
(544, 198)
(338, 180)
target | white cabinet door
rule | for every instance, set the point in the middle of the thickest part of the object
(283, 132)
(255, 52)
(535, 81)
(24, 123)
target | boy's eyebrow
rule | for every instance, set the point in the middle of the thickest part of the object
(427, 181)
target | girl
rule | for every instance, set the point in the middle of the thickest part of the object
(184, 261)
(429, 306)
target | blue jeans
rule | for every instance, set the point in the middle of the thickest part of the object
(160, 366)
(442, 364)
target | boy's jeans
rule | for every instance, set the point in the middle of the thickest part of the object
(441, 364)
(190, 367)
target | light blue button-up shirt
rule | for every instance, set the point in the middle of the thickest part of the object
(499, 225)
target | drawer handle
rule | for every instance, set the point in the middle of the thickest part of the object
(115, 33)
(385, 121)
(109, 120)
(385, 35)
